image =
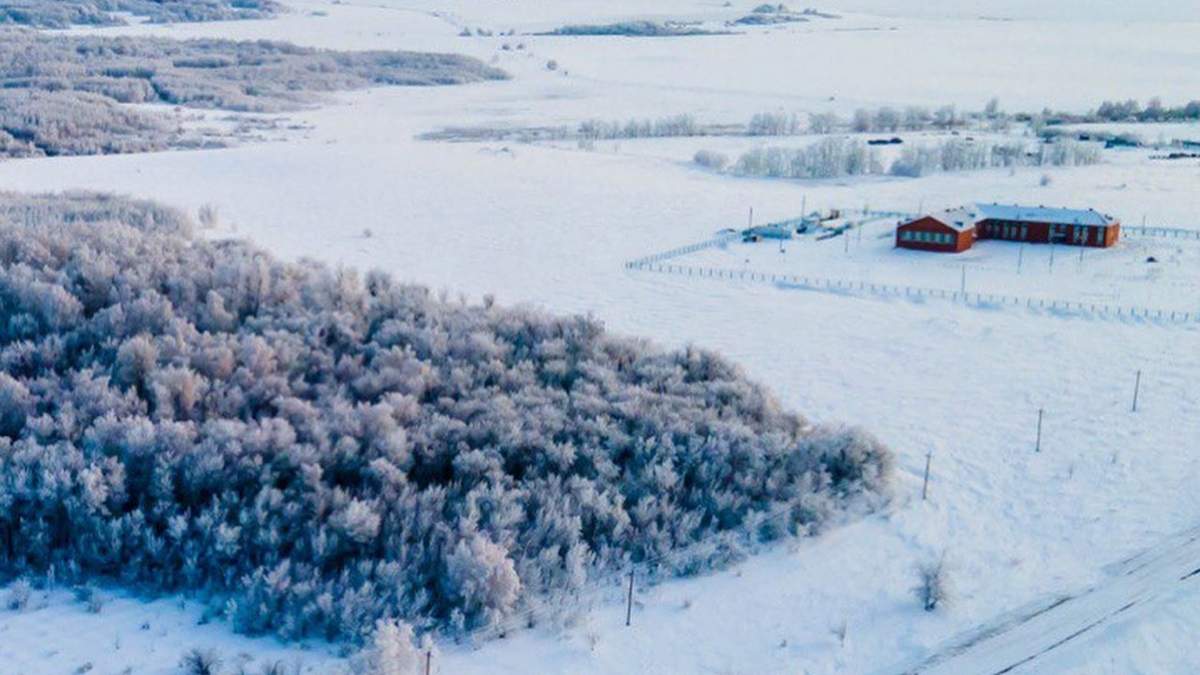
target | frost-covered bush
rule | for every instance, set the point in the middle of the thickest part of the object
(632, 29)
(65, 13)
(774, 124)
(200, 662)
(961, 155)
(710, 159)
(18, 595)
(827, 158)
(60, 93)
(318, 451)
(671, 126)
(933, 587)
(392, 651)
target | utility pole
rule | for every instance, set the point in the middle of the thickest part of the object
(963, 281)
(1020, 257)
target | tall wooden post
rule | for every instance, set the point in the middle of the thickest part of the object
(925, 485)
(428, 661)
(1020, 257)
(1137, 385)
(629, 601)
(1038, 447)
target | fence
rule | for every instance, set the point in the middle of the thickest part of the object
(687, 250)
(913, 292)
(606, 586)
(1160, 232)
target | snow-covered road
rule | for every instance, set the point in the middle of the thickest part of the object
(1029, 639)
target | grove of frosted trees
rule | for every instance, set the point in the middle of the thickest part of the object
(61, 93)
(835, 157)
(65, 13)
(315, 451)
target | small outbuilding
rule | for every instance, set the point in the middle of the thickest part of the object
(946, 232)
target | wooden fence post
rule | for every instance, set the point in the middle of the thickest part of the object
(629, 600)
(925, 485)
(1038, 447)
(1137, 385)
(428, 661)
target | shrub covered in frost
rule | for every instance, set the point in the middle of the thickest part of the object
(319, 451)
(633, 29)
(827, 158)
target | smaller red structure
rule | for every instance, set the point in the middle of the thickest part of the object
(949, 232)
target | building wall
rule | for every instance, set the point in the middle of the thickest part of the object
(955, 241)
(1043, 233)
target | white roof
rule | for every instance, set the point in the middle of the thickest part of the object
(1042, 214)
(965, 218)
(959, 220)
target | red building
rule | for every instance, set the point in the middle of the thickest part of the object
(956, 231)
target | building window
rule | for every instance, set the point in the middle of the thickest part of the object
(1024, 232)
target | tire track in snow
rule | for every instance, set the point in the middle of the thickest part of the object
(1019, 639)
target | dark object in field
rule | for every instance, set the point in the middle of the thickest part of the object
(885, 141)
(1177, 155)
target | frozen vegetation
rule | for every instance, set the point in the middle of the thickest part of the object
(838, 157)
(634, 29)
(317, 451)
(65, 13)
(59, 94)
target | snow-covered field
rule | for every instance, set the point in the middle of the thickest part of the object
(551, 226)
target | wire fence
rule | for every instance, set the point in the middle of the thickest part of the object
(715, 242)
(1160, 232)
(606, 586)
(866, 288)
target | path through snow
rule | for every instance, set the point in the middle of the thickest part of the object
(1023, 640)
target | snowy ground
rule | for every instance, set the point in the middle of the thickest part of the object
(551, 226)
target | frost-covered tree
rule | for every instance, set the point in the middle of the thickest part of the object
(315, 450)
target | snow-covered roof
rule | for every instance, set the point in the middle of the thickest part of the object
(1042, 214)
(959, 220)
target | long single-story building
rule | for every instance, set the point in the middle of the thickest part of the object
(957, 230)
